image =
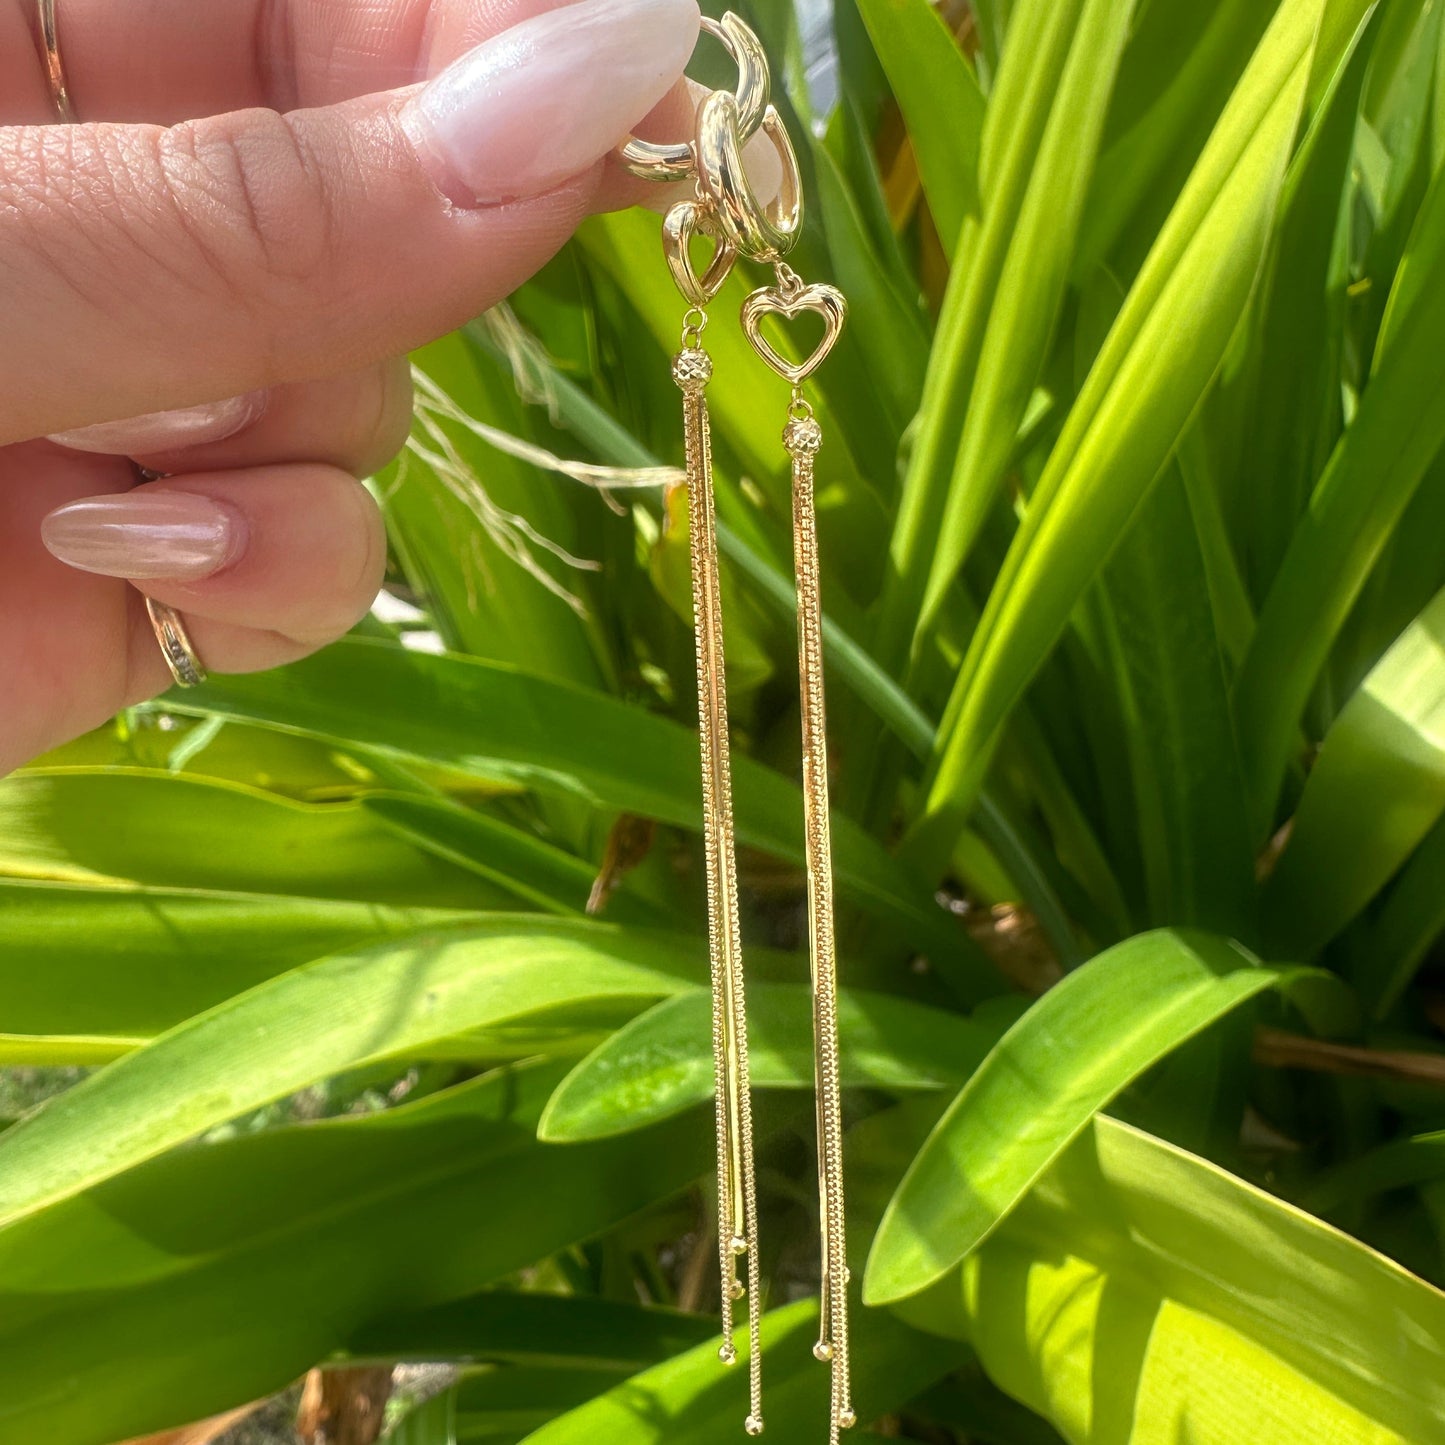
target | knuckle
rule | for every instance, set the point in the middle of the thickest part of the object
(253, 201)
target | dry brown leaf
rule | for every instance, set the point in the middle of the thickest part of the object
(344, 1407)
(629, 842)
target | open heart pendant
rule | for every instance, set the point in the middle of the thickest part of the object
(683, 223)
(826, 301)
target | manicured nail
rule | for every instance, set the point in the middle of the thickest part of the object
(167, 431)
(179, 536)
(544, 100)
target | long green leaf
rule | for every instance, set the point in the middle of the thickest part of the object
(1018, 114)
(1375, 792)
(307, 1234)
(1412, 918)
(534, 1329)
(506, 725)
(1141, 1294)
(661, 1063)
(1072, 1052)
(93, 972)
(399, 998)
(1040, 242)
(687, 1402)
(1154, 367)
(942, 105)
(1372, 474)
(167, 831)
(1193, 821)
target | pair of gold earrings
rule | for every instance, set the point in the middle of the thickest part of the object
(726, 210)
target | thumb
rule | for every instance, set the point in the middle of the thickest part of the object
(148, 268)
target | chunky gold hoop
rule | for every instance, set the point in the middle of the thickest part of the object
(761, 233)
(676, 161)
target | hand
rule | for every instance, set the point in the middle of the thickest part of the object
(256, 278)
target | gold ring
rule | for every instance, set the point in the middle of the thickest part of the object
(761, 233)
(676, 160)
(54, 66)
(176, 646)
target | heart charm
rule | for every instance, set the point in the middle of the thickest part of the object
(683, 222)
(827, 301)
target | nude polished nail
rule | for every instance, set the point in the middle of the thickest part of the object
(167, 431)
(543, 101)
(179, 536)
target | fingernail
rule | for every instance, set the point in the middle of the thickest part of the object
(179, 536)
(167, 431)
(544, 100)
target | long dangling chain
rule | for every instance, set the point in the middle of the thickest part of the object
(737, 1194)
(726, 209)
(802, 438)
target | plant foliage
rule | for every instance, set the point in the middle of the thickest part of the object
(1133, 521)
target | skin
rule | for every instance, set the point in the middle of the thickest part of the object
(148, 269)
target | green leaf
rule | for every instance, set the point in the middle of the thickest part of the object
(93, 972)
(1020, 117)
(519, 862)
(1376, 790)
(1193, 822)
(517, 1400)
(1412, 918)
(1064, 1060)
(534, 1329)
(434, 1422)
(1400, 1164)
(689, 1401)
(1149, 377)
(1176, 78)
(401, 999)
(175, 832)
(1397, 430)
(942, 105)
(661, 1063)
(502, 724)
(1141, 1294)
(308, 1234)
(1039, 241)
(1296, 361)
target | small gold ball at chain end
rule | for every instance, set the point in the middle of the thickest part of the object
(728, 1355)
(737, 1289)
(753, 1425)
(738, 1244)
(847, 1418)
(823, 1351)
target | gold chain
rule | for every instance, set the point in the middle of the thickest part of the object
(737, 1192)
(802, 436)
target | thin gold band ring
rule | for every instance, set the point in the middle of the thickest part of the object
(54, 68)
(175, 643)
